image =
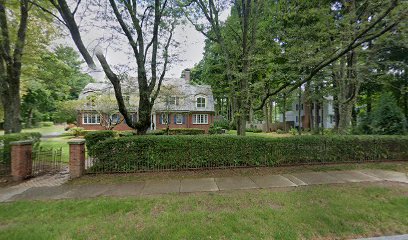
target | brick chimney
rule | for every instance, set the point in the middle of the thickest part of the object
(187, 74)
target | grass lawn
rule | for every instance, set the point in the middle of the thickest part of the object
(42, 130)
(56, 143)
(316, 212)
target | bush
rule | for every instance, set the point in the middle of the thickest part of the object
(46, 124)
(215, 130)
(5, 141)
(179, 131)
(92, 138)
(293, 131)
(254, 130)
(186, 152)
(388, 117)
(77, 131)
(222, 123)
(126, 133)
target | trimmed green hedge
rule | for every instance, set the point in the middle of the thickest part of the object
(178, 131)
(143, 153)
(5, 140)
(92, 138)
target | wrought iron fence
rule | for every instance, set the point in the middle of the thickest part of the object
(46, 161)
(270, 155)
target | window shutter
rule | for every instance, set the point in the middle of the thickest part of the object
(175, 118)
(184, 119)
(161, 118)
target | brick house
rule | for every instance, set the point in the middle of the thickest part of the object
(180, 104)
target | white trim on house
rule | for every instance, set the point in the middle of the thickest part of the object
(201, 102)
(200, 119)
(179, 119)
(91, 118)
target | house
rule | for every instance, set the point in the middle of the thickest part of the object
(180, 104)
(324, 114)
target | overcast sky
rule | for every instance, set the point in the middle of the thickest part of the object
(189, 52)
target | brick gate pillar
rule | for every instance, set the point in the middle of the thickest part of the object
(21, 161)
(76, 157)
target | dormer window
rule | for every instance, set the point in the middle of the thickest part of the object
(200, 102)
(174, 100)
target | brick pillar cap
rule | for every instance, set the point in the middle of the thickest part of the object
(76, 141)
(24, 142)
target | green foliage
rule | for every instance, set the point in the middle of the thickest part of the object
(180, 152)
(5, 141)
(388, 117)
(254, 130)
(293, 131)
(215, 130)
(222, 123)
(77, 131)
(92, 138)
(66, 111)
(46, 124)
(178, 131)
(54, 80)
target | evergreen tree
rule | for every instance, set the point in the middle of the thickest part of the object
(388, 117)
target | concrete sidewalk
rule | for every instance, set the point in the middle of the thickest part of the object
(192, 185)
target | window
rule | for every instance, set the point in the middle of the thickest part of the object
(174, 101)
(90, 118)
(297, 107)
(302, 106)
(200, 118)
(164, 118)
(297, 119)
(115, 118)
(179, 119)
(200, 102)
(133, 118)
(331, 118)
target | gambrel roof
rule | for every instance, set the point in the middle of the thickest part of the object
(186, 91)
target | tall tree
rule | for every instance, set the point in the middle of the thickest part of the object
(11, 61)
(148, 28)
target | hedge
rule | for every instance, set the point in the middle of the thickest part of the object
(178, 131)
(92, 138)
(144, 153)
(5, 140)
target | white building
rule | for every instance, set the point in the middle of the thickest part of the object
(325, 114)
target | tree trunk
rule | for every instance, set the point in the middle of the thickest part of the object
(11, 105)
(11, 67)
(284, 113)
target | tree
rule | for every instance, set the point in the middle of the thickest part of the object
(388, 117)
(11, 61)
(148, 28)
(53, 77)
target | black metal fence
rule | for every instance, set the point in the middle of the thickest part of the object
(270, 155)
(46, 161)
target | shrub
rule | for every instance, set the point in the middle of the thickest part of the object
(46, 124)
(186, 152)
(280, 131)
(222, 123)
(388, 117)
(5, 141)
(293, 131)
(181, 131)
(126, 133)
(215, 130)
(77, 131)
(92, 138)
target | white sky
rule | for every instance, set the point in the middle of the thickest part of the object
(189, 52)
